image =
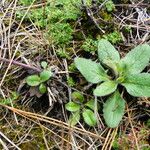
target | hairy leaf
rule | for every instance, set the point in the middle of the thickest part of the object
(45, 75)
(114, 110)
(71, 106)
(105, 88)
(92, 71)
(106, 51)
(138, 85)
(33, 80)
(74, 118)
(89, 117)
(113, 65)
(137, 59)
(42, 88)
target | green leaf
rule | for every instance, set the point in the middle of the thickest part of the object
(106, 51)
(138, 85)
(42, 88)
(33, 80)
(45, 75)
(91, 104)
(76, 96)
(113, 65)
(71, 106)
(114, 110)
(44, 64)
(105, 88)
(92, 71)
(137, 59)
(89, 117)
(74, 118)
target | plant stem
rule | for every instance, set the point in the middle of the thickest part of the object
(20, 64)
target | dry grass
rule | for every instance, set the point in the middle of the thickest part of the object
(32, 123)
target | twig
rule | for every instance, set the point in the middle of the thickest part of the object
(4, 145)
(90, 14)
(20, 64)
(53, 122)
(9, 141)
(134, 134)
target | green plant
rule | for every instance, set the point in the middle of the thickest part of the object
(110, 6)
(128, 29)
(89, 45)
(77, 107)
(61, 52)
(72, 67)
(71, 82)
(13, 96)
(125, 72)
(39, 80)
(115, 144)
(61, 33)
(55, 17)
(114, 37)
(26, 2)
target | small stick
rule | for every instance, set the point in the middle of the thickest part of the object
(20, 64)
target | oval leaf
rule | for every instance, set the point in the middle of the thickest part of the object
(89, 117)
(106, 51)
(105, 88)
(45, 75)
(114, 110)
(92, 71)
(42, 88)
(76, 96)
(71, 106)
(137, 59)
(90, 104)
(44, 64)
(74, 118)
(33, 80)
(138, 85)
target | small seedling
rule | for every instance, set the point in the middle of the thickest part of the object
(78, 107)
(39, 80)
(125, 72)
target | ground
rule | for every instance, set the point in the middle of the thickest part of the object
(57, 31)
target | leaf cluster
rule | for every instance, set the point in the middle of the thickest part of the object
(125, 72)
(39, 80)
(78, 106)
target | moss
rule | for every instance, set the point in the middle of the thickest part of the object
(106, 16)
(55, 18)
(114, 37)
(89, 45)
(34, 139)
